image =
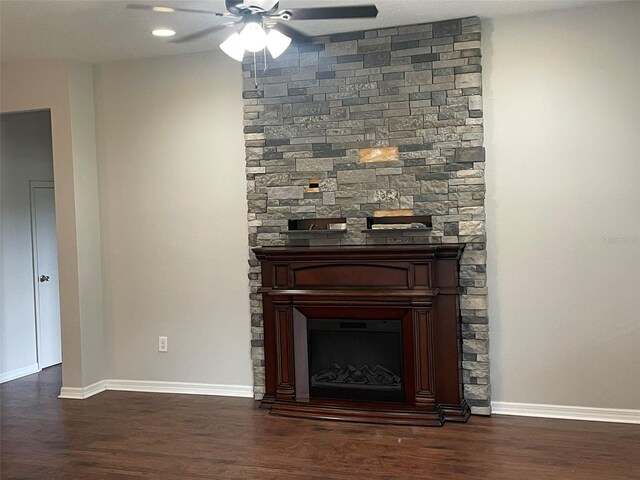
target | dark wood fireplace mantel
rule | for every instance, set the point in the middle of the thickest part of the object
(415, 285)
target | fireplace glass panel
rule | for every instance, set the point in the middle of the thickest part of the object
(355, 359)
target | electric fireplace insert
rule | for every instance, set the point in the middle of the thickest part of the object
(355, 359)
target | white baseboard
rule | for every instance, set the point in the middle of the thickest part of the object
(613, 415)
(19, 372)
(77, 393)
(245, 391)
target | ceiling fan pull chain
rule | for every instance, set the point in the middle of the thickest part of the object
(264, 49)
(264, 52)
(255, 70)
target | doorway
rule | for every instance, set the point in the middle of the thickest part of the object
(30, 337)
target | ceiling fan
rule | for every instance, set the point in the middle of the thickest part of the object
(261, 24)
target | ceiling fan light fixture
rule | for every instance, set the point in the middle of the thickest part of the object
(277, 43)
(253, 37)
(234, 47)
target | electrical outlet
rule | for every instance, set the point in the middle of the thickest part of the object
(162, 344)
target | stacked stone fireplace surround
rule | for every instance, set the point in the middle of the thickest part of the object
(415, 92)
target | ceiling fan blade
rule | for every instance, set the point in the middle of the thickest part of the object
(266, 5)
(296, 35)
(232, 5)
(199, 34)
(325, 13)
(274, 6)
(136, 6)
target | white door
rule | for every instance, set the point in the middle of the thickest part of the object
(45, 267)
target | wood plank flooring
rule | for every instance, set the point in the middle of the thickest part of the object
(120, 435)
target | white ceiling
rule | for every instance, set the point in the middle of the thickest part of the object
(102, 30)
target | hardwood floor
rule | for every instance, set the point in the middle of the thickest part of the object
(120, 435)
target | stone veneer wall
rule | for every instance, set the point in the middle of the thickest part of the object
(416, 87)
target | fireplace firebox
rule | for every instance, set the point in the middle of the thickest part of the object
(355, 359)
(367, 334)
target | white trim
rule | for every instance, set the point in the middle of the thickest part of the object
(19, 372)
(245, 391)
(78, 393)
(614, 415)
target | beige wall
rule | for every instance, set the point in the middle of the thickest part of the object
(67, 89)
(85, 172)
(562, 93)
(174, 227)
(37, 86)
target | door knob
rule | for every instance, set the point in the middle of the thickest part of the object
(44, 278)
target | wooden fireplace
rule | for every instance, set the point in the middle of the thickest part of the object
(365, 334)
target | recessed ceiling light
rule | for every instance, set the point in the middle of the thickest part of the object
(163, 9)
(163, 32)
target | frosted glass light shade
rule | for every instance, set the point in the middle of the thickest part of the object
(253, 37)
(277, 43)
(234, 47)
